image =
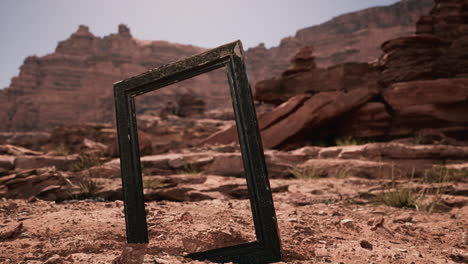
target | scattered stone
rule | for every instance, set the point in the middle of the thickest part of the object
(132, 254)
(55, 259)
(32, 199)
(7, 162)
(366, 244)
(349, 223)
(11, 231)
(186, 217)
(405, 218)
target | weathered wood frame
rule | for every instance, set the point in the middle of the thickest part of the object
(267, 247)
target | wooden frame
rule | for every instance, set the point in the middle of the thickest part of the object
(267, 247)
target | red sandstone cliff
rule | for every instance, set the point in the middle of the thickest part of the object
(74, 84)
(417, 88)
(353, 37)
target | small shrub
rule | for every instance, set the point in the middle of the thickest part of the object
(85, 161)
(88, 189)
(426, 199)
(60, 150)
(400, 198)
(308, 173)
(189, 169)
(441, 174)
(418, 139)
(152, 184)
(349, 141)
(341, 173)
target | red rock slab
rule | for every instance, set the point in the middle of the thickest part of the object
(417, 41)
(440, 91)
(264, 120)
(319, 108)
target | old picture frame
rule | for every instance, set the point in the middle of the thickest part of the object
(267, 247)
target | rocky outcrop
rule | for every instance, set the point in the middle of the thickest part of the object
(421, 79)
(317, 112)
(190, 105)
(426, 74)
(217, 173)
(438, 50)
(436, 104)
(44, 183)
(342, 77)
(410, 58)
(75, 83)
(353, 37)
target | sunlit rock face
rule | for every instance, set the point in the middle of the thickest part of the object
(353, 37)
(74, 83)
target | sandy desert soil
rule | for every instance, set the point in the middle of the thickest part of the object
(328, 220)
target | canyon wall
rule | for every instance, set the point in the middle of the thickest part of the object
(74, 83)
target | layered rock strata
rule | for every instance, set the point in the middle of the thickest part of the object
(420, 82)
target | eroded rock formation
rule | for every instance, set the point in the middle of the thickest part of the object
(75, 82)
(353, 37)
(420, 82)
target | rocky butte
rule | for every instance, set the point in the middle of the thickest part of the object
(74, 84)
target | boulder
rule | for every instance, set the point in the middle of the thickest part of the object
(427, 104)
(265, 120)
(189, 104)
(44, 183)
(435, 92)
(294, 119)
(303, 61)
(16, 150)
(372, 120)
(320, 108)
(7, 162)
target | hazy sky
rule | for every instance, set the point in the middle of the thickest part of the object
(33, 27)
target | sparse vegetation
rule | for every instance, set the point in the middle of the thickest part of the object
(152, 183)
(349, 141)
(400, 198)
(85, 161)
(189, 169)
(60, 150)
(87, 189)
(316, 173)
(428, 198)
(341, 173)
(441, 174)
(308, 173)
(418, 139)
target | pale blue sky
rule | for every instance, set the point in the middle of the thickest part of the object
(33, 27)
